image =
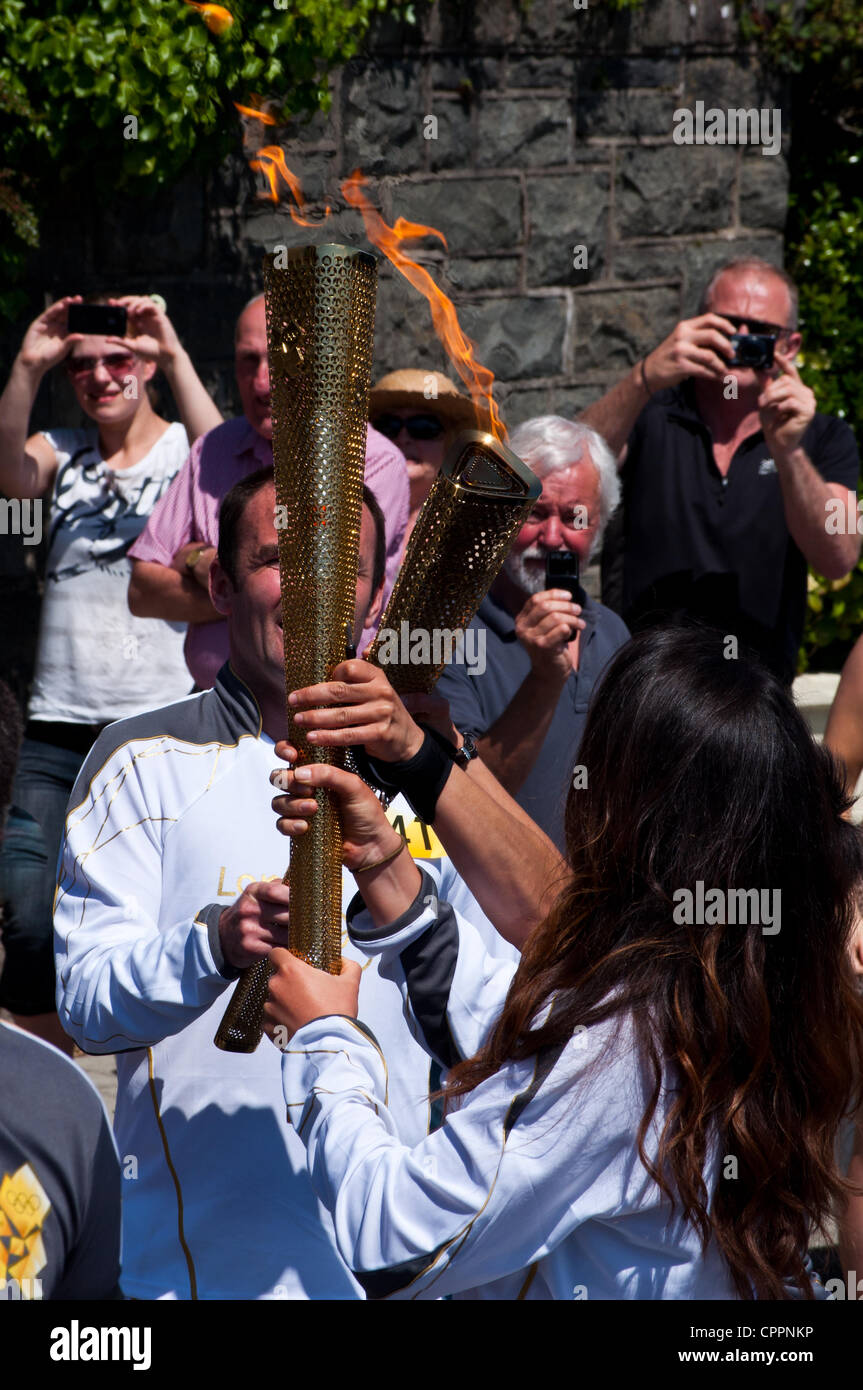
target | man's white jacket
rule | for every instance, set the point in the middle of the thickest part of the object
(169, 820)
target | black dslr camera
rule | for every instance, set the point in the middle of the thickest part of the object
(753, 350)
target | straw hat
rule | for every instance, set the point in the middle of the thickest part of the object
(412, 389)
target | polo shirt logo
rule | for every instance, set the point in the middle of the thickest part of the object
(766, 466)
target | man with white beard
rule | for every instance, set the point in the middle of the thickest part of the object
(544, 651)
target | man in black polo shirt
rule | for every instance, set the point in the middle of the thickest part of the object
(729, 473)
(542, 653)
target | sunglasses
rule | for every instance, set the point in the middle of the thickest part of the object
(768, 330)
(116, 363)
(417, 426)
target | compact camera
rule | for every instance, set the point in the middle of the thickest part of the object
(104, 320)
(752, 350)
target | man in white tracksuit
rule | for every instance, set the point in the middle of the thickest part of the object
(170, 883)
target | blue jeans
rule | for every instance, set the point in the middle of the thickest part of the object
(28, 874)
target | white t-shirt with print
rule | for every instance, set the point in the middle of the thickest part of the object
(96, 662)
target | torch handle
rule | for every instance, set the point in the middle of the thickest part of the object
(242, 1026)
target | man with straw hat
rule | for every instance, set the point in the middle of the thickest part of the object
(421, 412)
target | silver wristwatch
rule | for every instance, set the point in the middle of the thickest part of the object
(467, 752)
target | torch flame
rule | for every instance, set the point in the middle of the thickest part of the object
(271, 161)
(216, 17)
(459, 349)
(263, 116)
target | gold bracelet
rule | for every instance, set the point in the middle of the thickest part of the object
(366, 868)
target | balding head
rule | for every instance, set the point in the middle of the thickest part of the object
(252, 371)
(762, 277)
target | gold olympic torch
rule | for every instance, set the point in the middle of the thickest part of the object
(477, 505)
(320, 303)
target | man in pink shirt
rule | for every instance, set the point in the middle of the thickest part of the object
(171, 558)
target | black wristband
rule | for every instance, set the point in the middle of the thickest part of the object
(420, 779)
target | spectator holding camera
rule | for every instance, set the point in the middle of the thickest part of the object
(95, 662)
(542, 644)
(729, 472)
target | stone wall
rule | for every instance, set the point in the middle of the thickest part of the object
(553, 130)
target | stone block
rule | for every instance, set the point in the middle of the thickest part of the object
(447, 24)
(565, 26)
(653, 260)
(525, 131)
(714, 22)
(382, 111)
(496, 26)
(623, 113)
(517, 337)
(523, 403)
(454, 146)
(452, 71)
(655, 25)
(531, 70)
(724, 82)
(404, 336)
(608, 72)
(764, 191)
(565, 211)
(489, 273)
(593, 152)
(476, 215)
(669, 189)
(614, 328)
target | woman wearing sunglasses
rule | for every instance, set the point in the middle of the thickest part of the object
(646, 1107)
(421, 412)
(94, 486)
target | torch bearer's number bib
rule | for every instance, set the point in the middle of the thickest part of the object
(423, 843)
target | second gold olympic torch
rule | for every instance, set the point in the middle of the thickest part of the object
(320, 304)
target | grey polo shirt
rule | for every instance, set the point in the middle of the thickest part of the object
(476, 702)
(59, 1178)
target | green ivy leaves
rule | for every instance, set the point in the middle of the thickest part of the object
(71, 70)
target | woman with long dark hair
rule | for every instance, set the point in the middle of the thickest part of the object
(648, 1107)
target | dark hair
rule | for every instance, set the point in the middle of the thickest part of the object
(702, 769)
(234, 504)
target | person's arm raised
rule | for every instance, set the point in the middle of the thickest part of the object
(28, 466)
(697, 347)
(786, 409)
